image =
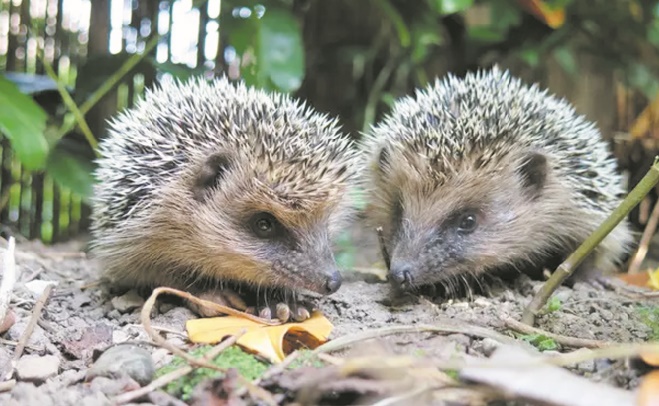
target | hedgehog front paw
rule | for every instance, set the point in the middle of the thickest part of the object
(225, 297)
(292, 311)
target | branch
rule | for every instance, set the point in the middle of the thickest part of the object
(576, 258)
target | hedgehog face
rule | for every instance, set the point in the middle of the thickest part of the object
(250, 226)
(466, 222)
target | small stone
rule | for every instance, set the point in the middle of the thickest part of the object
(129, 301)
(35, 368)
(563, 295)
(488, 346)
(119, 337)
(124, 360)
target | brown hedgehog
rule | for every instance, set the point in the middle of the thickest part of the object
(223, 190)
(484, 174)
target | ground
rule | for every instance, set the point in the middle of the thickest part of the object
(81, 319)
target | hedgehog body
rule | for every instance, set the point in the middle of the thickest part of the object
(204, 183)
(484, 173)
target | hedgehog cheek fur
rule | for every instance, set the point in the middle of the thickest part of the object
(463, 228)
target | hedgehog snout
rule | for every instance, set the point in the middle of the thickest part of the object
(400, 274)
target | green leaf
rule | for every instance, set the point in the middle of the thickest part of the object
(554, 304)
(455, 6)
(72, 168)
(271, 49)
(23, 122)
(565, 58)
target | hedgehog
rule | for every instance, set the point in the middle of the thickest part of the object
(225, 191)
(485, 176)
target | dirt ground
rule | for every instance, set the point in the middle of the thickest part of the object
(80, 320)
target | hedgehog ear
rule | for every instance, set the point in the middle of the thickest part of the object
(210, 174)
(533, 173)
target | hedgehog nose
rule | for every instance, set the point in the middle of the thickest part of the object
(400, 274)
(333, 283)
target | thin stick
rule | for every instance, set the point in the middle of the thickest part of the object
(566, 269)
(36, 314)
(643, 245)
(564, 340)
(8, 277)
(383, 248)
(7, 385)
(22, 342)
(178, 373)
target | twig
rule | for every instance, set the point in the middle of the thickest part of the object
(564, 340)
(450, 327)
(648, 232)
(34, 318)
(8, 277)
(22, 342)
(178, 373)
(383, 248)
(574, 260)
(7, 385)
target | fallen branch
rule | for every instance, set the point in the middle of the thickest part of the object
(643, 245)
(564, 340)
(8, 277)
(574, 260)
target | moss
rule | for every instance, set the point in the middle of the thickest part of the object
(233, 357)
(306, 359)
(650, 317)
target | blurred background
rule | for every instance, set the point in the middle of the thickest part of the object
(66, 66)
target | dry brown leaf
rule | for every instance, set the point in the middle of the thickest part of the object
(648, 391)
(553, 17)
(272, 342)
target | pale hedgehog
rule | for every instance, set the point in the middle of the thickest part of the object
(483, 174)
(216, 187)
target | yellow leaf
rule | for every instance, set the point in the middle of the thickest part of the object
(653, 279)
(648, 391)
(272, 342)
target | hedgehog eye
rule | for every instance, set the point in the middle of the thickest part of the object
(264, 225)
(468, 223)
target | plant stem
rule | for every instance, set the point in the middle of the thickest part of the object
(574, 260)
(71, 105)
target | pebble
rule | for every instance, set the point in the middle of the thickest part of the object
(129, 301)
(119, 336)
(35, 368)
(124, 360)
(482, 302)
(488, 345)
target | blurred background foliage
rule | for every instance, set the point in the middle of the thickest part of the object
(66, 66)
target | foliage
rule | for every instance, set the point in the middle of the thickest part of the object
(540, 341)
(24, 123)
(554, 304)
(267, 39)
(233, 357)
(650, 317)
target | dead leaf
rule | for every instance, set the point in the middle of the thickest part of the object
(648, 391)
(553, 17)
(272, 342)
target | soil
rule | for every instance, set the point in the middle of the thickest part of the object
(81, 319)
